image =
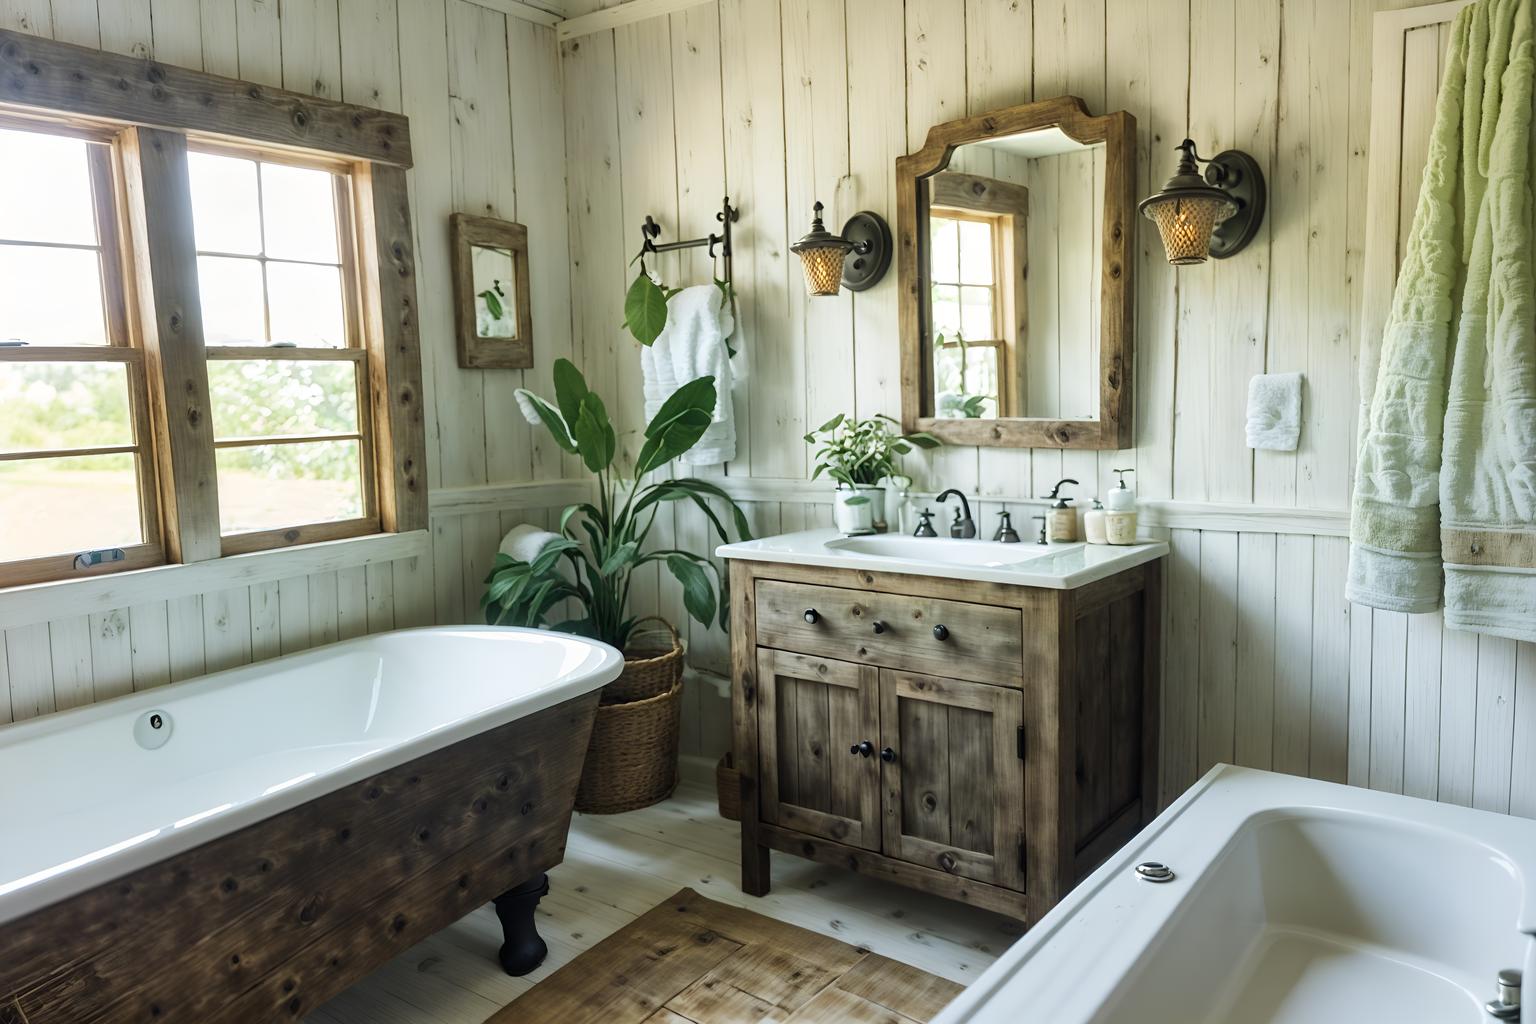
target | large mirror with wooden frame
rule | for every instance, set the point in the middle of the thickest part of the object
(1015, 229)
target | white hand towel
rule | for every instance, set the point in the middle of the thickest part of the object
(692, 345)
(524, 541)
(1274, 411)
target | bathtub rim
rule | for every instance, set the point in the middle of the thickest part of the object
(1262, 795)
(128, 856)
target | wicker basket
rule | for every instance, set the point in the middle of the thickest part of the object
(728, 787)
(632, 757)
(651, 668)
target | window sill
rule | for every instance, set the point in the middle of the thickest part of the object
(41, 602)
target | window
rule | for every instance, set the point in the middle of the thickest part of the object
(76, 476)
(207, 334)
(287, 361)
(971, 363)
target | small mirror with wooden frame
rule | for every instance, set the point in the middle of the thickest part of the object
(1015, 231)
(490, 293)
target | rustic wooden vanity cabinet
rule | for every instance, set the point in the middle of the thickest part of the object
(987, 742)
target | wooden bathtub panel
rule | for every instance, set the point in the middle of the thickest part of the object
(271, 921)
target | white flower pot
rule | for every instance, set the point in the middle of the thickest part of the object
(854, 510)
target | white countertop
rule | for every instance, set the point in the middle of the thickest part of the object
(1056, 566)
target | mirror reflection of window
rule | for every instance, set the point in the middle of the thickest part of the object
(970, 355)
(495, 294)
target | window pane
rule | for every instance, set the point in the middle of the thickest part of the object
(271, 486)
(48, 406)
(975, 252)
(300, 209)
(57, 506)
(225, 213)
(45, 189)
(946, 310)
(263, 397)
(305, 304)
(231, 294)
(946, 249)
(965, 382)
(976, 314)
(51, 296)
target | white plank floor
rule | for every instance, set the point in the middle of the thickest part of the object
(617, 867)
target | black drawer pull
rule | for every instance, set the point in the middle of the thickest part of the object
(941, 632)
(865, 748)
(879, 627)
(812, 616)
(888, 755)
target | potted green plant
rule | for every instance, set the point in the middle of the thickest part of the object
(579, 581)
(859, 455)
(603, 543)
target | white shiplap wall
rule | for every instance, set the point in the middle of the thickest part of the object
(780, 102)
(482, 90)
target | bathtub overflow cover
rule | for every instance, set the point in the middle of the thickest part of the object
(152, 729)
(1152, 871)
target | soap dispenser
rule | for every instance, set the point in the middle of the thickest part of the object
(1005, 534)
(1093, 524)
(1061, 520)
(1120, 518)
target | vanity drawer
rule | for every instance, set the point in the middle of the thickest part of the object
(951, 638)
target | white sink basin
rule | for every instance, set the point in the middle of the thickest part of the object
(1057, 566)
(941, 549)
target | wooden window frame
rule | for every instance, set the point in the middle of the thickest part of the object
(120, 349)
(355, 350)
(151, 111)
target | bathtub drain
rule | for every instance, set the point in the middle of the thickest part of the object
(152, 729)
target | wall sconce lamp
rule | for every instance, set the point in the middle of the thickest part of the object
(825, 256)
(1215, 215)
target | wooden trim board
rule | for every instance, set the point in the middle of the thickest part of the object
(694, 961)
(96, 85)
(624, 14)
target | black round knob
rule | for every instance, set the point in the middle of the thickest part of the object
(864, 747)
(941, 632)
(879, 627)
(812, 616)
(887, 755)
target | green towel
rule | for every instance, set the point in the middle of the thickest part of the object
(1449, 441)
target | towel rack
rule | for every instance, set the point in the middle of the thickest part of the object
(727, 216)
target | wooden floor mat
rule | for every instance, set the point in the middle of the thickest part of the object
(694, 961)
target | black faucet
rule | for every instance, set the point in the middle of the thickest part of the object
(964, 527)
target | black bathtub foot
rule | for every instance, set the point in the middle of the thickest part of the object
(522, 950)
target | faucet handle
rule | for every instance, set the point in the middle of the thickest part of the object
(1006, 534)
(1041, 521)
(925, 524)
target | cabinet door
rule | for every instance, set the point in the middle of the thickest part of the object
(812, 714)
(953, 777)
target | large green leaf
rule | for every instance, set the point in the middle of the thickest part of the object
(645, 309)
(550, 417)
(698, 393)
(697, 491)
(676, 436)
(570, 389)
(619, 558)
(595, 439)
(698, 593)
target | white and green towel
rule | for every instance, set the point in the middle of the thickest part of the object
(1445, 491)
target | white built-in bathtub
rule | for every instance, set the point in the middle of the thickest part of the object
(82, 801)
(1293, 901)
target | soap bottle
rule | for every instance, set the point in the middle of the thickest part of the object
(1093, 524)
(1061, 520)
(1120, 519)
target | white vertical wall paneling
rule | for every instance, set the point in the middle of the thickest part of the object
(29, 660)
(1389, 672)
(877, 131)
(1494, 741)
(151, 654)
(1256, 697)
(1329, 742)
(1458, 716)
(70, 642)
(753, 108)
(1421, 712)
(1292, 719)
(111, 654)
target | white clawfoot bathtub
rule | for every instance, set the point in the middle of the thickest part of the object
(84, 801)
(1292, 901)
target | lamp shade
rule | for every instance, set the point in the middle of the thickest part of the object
(821, 254)
(1187, 223)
